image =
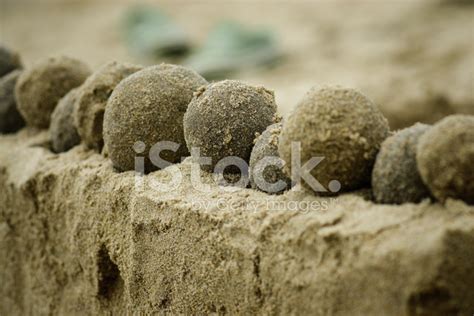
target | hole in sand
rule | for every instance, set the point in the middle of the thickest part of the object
(432, 301)
(110, 281)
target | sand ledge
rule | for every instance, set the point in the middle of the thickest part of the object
(77, 237)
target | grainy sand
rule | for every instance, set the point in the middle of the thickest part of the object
(76, 237)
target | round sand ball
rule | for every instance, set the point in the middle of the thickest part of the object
(445, 156)
(223, 118)
(10, 119)
(341, 125)
(9, 60)
(146, 108)
(39, 88)
(92, 98)
(266, 151)
(395, 178)
(62, 131)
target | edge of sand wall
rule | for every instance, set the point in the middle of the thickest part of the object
(76, 237)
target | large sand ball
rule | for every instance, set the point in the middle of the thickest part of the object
(445, 157)
(148, 107)
(40, 87)
(223, 118)
(341, 125)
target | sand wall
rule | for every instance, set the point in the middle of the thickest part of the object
(78, 238)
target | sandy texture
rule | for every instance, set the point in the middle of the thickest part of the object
(146, 108)
(395, 177)
(445, 156)
(62, 131)
(223, 119)
(78, 238)
(340, 125)
(10, 119)
(266, 145)
(92, 99)
(41, 86)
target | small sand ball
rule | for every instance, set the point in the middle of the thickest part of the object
(341, 125)
(9, 60)
(266, 151)
(62, 131)
(92, 98)
(445, 158)
(39, 88)
(395, 178)
(10, 119)
(223, 118)
(145, 108)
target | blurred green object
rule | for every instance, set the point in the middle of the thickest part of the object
(150, 33)
(231, 47)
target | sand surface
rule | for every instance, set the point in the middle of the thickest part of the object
(76, 237)
(414, 58)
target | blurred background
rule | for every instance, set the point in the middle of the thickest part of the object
(415, 59)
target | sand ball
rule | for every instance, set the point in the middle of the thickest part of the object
(341, 125)
(39, 88)
(62, 130)
(92, 98)
(395, 177)
(10, 119)
(223, 118)
(445, 156)
(148, 107)
(266, 147)
(9, 60)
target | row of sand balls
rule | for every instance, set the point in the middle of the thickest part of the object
(126, 103)
(409, 165)
(422, 161)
